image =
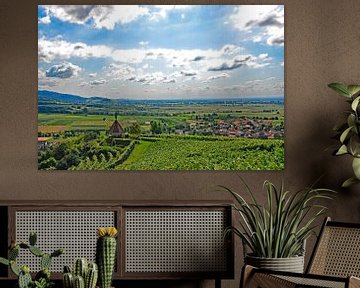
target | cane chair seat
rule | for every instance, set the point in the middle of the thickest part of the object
(335, 262)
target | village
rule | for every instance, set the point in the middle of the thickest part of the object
(243, 128)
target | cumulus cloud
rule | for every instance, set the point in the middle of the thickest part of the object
(218, 76)
(188, 73)
(107, 16)
(143, 43)
(64, 70)
(120, 71)
(44, 20)
(100, 16)
(232, 64)
(48, 50)
(161, 11)
(171, 80)
(266, 20)
(92, 75)
(97, 82)
(254, 87)
(51, 49)
(230, 49)
(198, 58)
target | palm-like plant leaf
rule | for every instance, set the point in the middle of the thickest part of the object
(280, 228)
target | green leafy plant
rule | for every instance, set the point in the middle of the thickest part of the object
(42, 278)
(279, 229)
(349, 131)
(85, 274)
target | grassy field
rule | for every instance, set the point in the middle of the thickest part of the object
(194, 154)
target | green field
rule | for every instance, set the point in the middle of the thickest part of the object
(193, 154)
(164, 137)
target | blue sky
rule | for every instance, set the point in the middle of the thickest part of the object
(161, 51)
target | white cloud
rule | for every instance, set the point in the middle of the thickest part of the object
(63, 71)
(120, 71)
(108, 16)
(230, 49)
(268, 20)
(97, 82)
(269, 85)
(92, 75)
(188, 73)
(100, 16)
(235, 63)
(161, 11)
(218, 76)
(171, 80)
(44, 20)
(143, 43)
(49, 50)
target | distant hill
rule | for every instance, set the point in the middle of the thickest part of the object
(69, 98)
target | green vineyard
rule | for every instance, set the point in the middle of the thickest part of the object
(98, 152)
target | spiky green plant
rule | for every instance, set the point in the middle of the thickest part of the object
(349, 132)
(85, 274)
(42, 278)
(106, 254)
(279, 229)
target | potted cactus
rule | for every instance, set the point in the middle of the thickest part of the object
(106, 254)
(42, 278)
(85, 275)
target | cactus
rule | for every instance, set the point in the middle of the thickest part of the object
(32, 239)
(45, 261)
(68, 280)
(105, 255)
(79, 282)
(13, 253)
(90, 272)
(91, 276)
(14, 268)
(80, 267)
(24, 278)
(36, 251)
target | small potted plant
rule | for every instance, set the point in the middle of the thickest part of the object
(42, 278)
(349, 131)
(276, 233)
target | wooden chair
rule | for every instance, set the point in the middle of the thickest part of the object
(335, 262)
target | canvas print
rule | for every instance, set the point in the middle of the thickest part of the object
(161, 87)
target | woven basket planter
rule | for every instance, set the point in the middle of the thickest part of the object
(291, 264)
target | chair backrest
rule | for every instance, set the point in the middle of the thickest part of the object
(337, 251)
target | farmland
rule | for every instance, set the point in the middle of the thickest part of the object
(161, 135)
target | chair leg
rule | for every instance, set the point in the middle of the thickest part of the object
(246, 274)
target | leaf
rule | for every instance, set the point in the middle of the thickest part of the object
(354, 145)
(349, 182)
(340, 88)
(345, 134)
(342, 150)
(4, 261)
(353, 89)
(356, 167)
(340, 127)
(355, 103)
(351, 120)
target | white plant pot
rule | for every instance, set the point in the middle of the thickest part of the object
(291, 264)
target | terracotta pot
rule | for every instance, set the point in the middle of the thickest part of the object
(291, 264)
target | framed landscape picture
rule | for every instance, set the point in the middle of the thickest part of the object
(161, 87)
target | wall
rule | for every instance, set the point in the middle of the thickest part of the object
(322, 46)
